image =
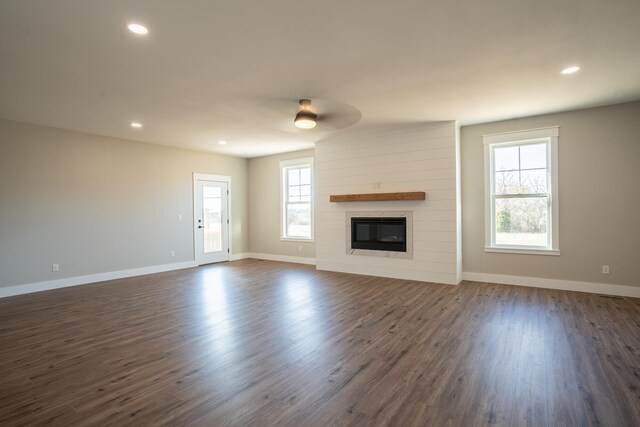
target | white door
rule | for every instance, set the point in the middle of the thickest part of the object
(211, 221)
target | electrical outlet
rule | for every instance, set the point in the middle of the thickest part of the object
(299, 248)
(173, 254)
(55, 267)
(605, 269)
(179, 217)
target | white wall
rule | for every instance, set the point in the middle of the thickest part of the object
(94, 204)
(391, 159)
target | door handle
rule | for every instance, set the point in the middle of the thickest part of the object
(201, 226)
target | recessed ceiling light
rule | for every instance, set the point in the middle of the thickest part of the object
(136, 125)
(138, 29)
(570, 70)
(222, 142)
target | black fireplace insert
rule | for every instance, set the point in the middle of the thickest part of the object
(379, 234)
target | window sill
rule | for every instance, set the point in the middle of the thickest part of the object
(511, 250)
(296, 239)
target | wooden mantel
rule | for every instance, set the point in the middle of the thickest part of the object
(378, 197)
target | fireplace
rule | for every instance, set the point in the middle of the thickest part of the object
(379, 233)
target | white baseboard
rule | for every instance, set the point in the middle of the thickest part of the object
(235, 257)
(535, 282)
(91, 278)
(565, 285)
(283, 258)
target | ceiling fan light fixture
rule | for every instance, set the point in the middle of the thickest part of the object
(305, 119)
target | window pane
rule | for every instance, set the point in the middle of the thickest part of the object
(294, 193)
(521, 221)
(294, 177)
(209, 191)
(534, 181)
(507, 183)
(299, 220)
(533, 156)
(212, 219)
(305, 176)
(506, 158)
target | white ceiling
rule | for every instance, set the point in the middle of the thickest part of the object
(234, 70)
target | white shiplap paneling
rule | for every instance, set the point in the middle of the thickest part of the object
(410, 158)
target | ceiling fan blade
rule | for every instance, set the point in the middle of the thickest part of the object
(334, 121)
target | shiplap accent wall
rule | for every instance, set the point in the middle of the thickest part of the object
(390, 159)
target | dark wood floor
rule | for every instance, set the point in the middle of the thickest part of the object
(264, 343)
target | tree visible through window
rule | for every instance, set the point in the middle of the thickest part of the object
(521, 196)
(297, 196)
(521, 187)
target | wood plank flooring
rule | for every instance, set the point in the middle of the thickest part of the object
(264, 343)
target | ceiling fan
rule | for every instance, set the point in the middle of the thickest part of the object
(341, 115)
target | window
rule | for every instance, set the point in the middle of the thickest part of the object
(297, 199)
(521, 192)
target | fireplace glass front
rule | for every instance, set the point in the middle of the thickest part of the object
(379, 234)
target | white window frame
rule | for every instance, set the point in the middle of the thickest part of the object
(284, 166)
(547, 135)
